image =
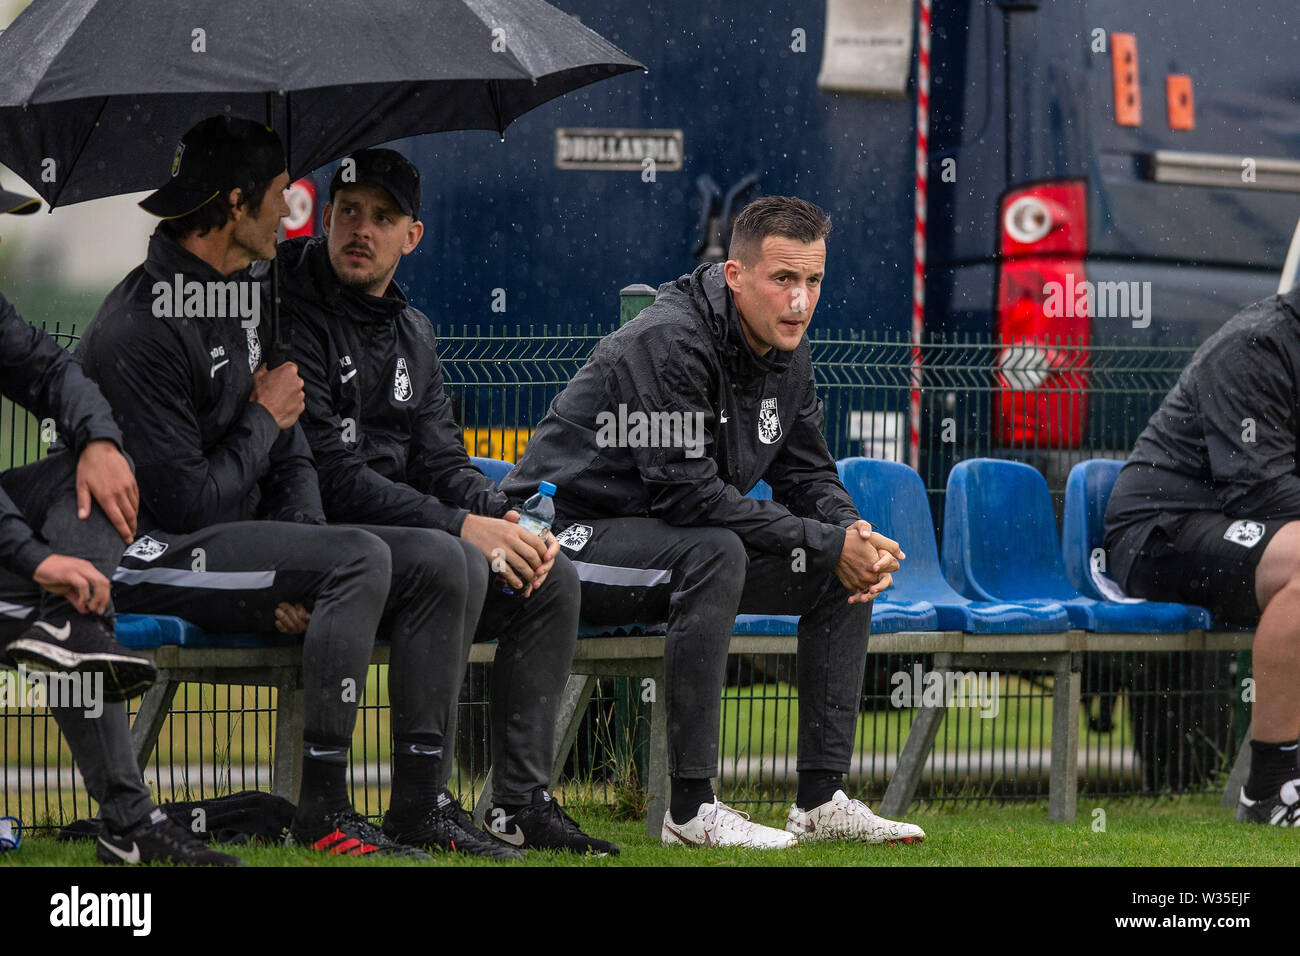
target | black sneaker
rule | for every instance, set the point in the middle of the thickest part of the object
(345, 832)
(84, 644)
(544, 826)
(1281, 810)
(446, 826)
(159, 840)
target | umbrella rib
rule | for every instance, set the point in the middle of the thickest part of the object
(81, 148)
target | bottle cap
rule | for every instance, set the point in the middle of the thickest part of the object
(546, 488)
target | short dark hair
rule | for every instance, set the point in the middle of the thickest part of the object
(784, 216)
(217, 212)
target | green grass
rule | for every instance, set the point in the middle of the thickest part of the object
(1189, 831)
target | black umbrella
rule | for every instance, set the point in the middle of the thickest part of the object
(95, 94)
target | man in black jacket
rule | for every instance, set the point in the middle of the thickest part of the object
(234, 532)
(652, 448)
(63, 522)
(389, 452)
(1207, 511)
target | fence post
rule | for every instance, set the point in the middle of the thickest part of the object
(632, 299)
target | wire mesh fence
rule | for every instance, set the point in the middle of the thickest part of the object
(1153, 723)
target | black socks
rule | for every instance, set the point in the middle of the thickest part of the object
(416, 766)
(817, 787)
(324, 780)
(687, 795)
(1271, 765)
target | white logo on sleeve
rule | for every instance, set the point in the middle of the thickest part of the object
(574, 537)
(1245, 533)
(254, 349)
(145, 548)
(769, 422)
(402, 382)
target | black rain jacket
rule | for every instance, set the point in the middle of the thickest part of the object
(1224, 439)
(204, 454)
(387, 447)
(39, 375)
(761, 416)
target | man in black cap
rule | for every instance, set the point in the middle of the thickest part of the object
(63, 521)
(234, 532)
(389, 452)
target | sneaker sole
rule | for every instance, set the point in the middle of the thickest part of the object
(124, 677)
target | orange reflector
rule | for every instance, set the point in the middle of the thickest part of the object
(1124, 69)
(1182, 108)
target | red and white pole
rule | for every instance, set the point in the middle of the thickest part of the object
(918, 235)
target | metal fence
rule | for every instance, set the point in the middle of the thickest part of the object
(1154, 723)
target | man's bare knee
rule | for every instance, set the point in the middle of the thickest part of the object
(1279, 566)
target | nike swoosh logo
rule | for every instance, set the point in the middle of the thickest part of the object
(58, 633)
(514, 839)
(213, 374)
(687, 840)
(131, 856)
(313, 752)
(343, 379)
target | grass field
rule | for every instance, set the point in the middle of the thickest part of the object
(1189, 831)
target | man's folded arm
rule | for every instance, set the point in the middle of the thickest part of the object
(42, 377)
(289, 489)
(185, 489)
(20, 550)
(803, 476)
(439, 463)
(350, 489)
(686, 489)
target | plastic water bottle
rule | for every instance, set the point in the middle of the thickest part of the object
(537, 515)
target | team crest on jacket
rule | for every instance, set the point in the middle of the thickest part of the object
(254, 349)
(574, 536)
(145, 548)
(1245, 533)
(402, 382)
(769, 422)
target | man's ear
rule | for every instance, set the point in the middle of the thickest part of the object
(236, 199)
(414, 232)
(326, 215)
(731, 270)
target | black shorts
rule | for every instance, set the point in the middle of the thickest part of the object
(1205, 558)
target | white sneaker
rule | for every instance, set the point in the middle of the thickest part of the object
(719, 825)
(850, 820)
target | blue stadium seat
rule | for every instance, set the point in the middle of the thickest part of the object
(493, 468)
(892, 497)
(761, 491)
(1087, 492)
(151, 631)
(1000, 543)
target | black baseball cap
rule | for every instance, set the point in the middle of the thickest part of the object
(385, 168)
(17, 204)
(214, 157)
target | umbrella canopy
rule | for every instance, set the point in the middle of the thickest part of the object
(95, 94)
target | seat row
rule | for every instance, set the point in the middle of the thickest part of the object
(1004, 568)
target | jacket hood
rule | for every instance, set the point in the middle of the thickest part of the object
(306, 265)
(708, 289)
